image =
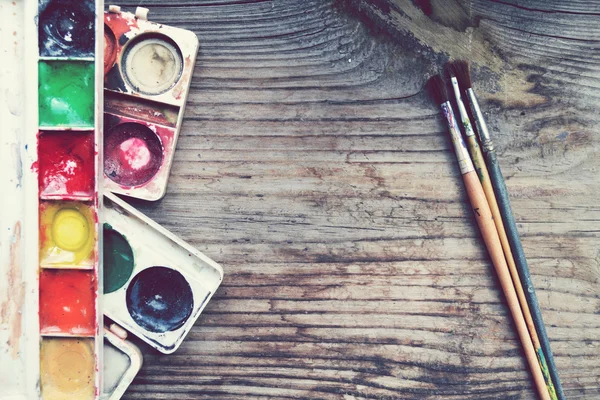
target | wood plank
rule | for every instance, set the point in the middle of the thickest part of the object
(316, 171)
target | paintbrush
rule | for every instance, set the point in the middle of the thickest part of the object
(452, 70)
(463, 74)
(483, 216)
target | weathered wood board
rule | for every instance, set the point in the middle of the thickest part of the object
(312, 166)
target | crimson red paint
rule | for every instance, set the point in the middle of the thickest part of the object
(110, 49)
(132, 154)
(117, 26)
(120, 25)
(66, 164)
(67, 299)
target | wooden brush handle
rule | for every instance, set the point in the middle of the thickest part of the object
(486, 183)
(488, 189)
(515, 242)
(485, 221)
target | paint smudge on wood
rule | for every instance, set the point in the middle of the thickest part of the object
(159, 299)
(67, 302)
(66, 164)
(67, 368)
(66, 93)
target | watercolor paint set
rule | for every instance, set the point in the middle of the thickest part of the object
(147, 73)
(102, 106)
(68, 145)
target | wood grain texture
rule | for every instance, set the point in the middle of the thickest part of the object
(312, 166)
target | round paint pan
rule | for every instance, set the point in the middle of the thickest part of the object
(152, 64)
(65, 29)
(118, 260)
(70, 229)
(133, 154)
(67, 234)
(110, 49)
(159, 299)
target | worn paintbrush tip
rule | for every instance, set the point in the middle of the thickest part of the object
(463, 73)
(436, 88)
(449, 70)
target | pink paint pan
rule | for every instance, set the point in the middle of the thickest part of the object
(136, 153)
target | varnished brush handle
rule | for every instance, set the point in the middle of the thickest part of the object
(484, 178)
(488, 189)
(485, 221)
(515, 241)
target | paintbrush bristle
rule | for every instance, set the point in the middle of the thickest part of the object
(449, 70)
(463, 73)
(436, 88)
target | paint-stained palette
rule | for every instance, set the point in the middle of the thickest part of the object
(148, 69)
(68, 162)
(155, 284)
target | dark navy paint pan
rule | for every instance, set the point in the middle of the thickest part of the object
(160, 299)
(66, 28)
(156, 285)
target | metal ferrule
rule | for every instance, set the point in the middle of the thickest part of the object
(462, 154)
(484, 134)
(461, 108)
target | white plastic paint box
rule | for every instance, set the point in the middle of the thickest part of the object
(148, 70)
(156, 285)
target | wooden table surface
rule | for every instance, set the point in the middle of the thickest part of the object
(314, 168)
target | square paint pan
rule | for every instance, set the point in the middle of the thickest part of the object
(147, 74)
(122, 362)
(67, 368)
(67, 231)
(67, 302)
(64, 29)
(66, 93)
(155, 284)
(67, 165)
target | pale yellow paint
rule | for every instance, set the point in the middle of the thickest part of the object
(67, 368)
(153, 65)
